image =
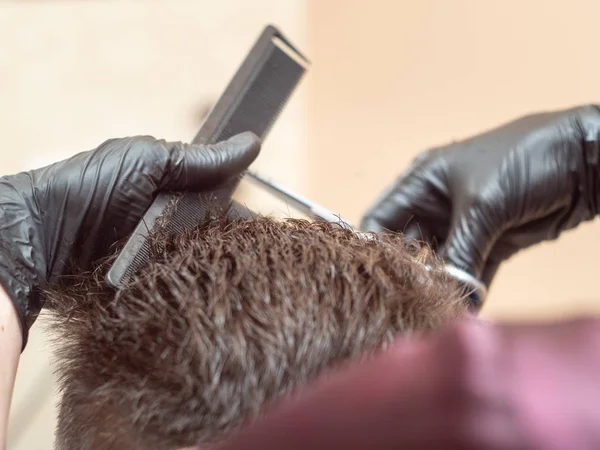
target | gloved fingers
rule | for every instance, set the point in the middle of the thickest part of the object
(422, 232)
(469, 243)
(531, 232)
(415, 205)
(196, 167)
(412, 229)
(416, 231)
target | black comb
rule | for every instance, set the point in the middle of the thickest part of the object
(251, 102)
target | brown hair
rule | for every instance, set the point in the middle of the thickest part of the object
(227, 318)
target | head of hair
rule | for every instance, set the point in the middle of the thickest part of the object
(227, 318)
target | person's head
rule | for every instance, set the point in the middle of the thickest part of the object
(227, 318)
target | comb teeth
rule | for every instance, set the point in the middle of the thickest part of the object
(142, 255)
(184, 211)
(252, 102)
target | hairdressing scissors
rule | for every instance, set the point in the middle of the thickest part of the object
(476, 290)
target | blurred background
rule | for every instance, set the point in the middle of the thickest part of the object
(389, 79)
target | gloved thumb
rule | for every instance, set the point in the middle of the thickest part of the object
(469, 243)
(196, 167)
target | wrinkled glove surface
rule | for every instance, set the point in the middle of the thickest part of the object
(481, 200)
(69, 214)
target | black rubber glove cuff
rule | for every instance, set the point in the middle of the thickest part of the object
(18, 271)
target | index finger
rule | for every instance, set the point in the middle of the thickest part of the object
(416, 205)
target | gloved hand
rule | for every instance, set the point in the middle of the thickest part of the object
(481, 200)
(70, 213)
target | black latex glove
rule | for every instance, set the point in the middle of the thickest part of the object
(481, 200)
(70, 213)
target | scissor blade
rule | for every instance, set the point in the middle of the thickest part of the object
(300, 202)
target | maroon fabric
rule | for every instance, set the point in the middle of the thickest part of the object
(472, 386)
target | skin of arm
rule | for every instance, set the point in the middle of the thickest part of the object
(10, 350)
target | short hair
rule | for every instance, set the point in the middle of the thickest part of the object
(228, 318)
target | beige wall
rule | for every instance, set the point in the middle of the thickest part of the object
(395, 77)
(389, 79)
